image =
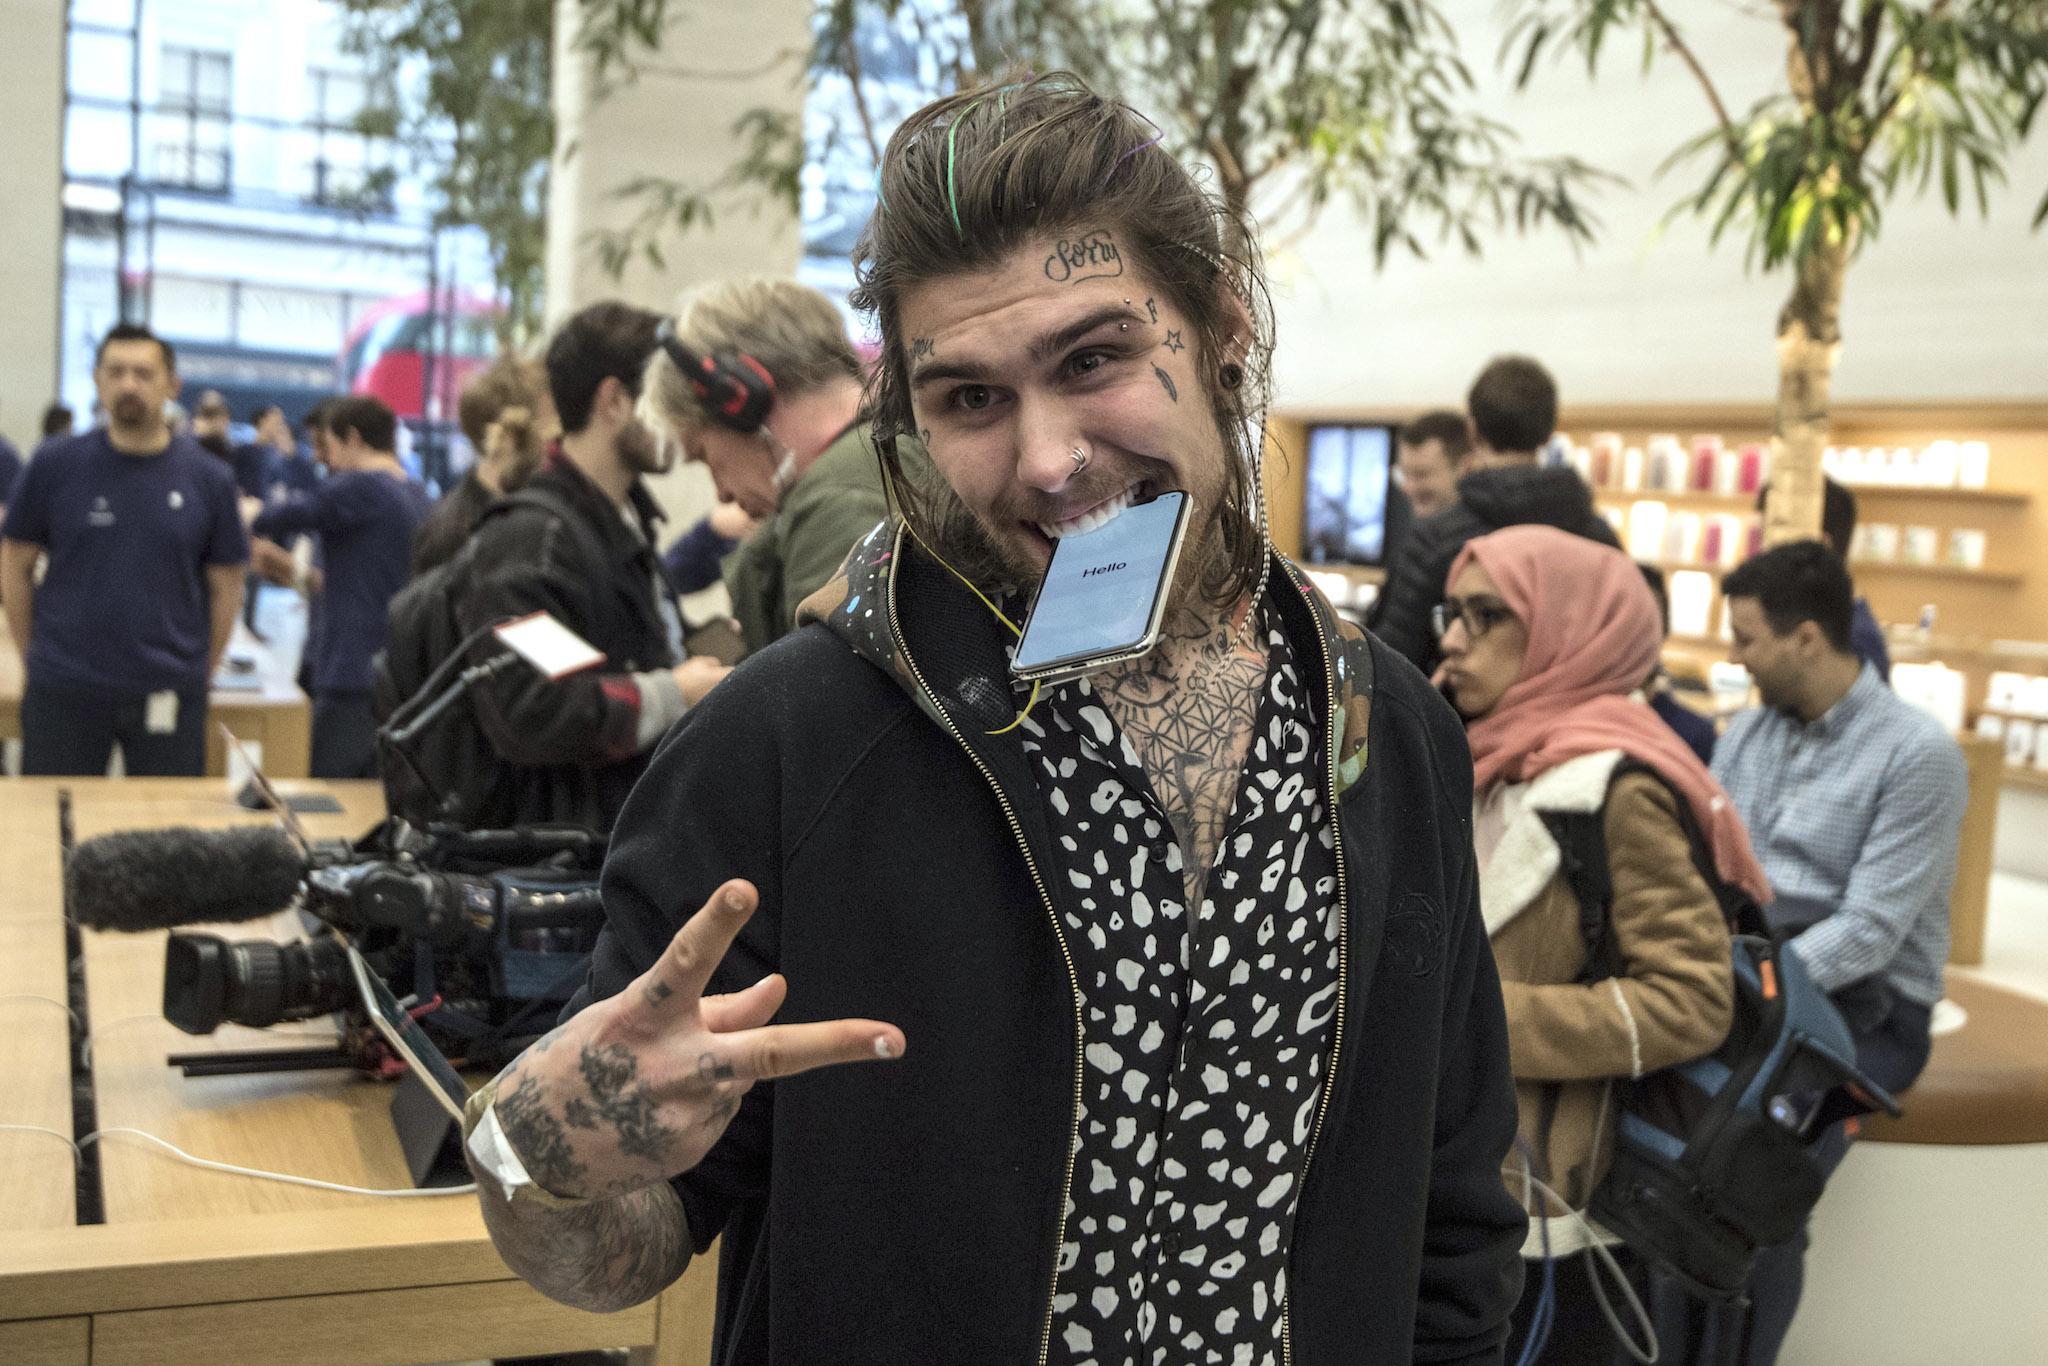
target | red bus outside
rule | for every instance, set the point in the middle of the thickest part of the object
(387, 351)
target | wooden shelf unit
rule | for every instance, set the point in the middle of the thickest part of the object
(2031, 778)
(1688, 498)
(1995, 497)
(2007, 598)
(1865, 493)
(1939, 571)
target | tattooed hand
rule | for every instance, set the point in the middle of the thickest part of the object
(638, 1088)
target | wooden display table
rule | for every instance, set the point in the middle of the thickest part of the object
(275, 714)
(35, 1022)
(194, 1266)
(1986, 1084)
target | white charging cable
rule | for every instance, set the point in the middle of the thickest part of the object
(1602, 1257)
(230, 1169)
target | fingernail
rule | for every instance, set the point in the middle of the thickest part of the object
(883, 1048)
(734, 900)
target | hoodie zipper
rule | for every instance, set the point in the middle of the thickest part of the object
(1343, 937)
(1073, 978)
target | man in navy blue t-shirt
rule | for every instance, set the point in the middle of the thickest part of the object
(364, 514)
(144, 548)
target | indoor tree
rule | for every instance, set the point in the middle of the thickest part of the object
(1290, 103)
(1880, 98)
(465, 87)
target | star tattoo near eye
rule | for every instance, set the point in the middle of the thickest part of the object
(1173, 341)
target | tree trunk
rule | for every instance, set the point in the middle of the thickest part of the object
(1809, 344)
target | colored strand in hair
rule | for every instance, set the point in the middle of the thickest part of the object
(1152, 141)
(878, 188)
(953, 127)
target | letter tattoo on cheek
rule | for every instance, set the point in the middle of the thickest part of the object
(1091, 257)
(1167, 381)
(1152, 309)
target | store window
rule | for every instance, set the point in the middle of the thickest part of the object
(346, 168)
(193, 110)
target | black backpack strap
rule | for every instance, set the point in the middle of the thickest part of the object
(1738, 908)
(1582, 857)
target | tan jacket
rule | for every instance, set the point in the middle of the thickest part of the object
(1673, 1001)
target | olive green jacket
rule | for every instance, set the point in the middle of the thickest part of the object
(792, 554)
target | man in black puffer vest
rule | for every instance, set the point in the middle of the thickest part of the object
(1514, 411)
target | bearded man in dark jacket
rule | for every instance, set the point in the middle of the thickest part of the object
(1513, 405)
(1200, 1053)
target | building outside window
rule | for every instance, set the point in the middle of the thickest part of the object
(190, 125)
(344, 170)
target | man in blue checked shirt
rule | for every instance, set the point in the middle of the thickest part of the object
(1854, 801)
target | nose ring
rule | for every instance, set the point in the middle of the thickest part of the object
(1080, 459)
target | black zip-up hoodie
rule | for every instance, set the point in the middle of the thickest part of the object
(1506, 495)
(911, 1211)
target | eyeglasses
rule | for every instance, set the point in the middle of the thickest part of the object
(1479, 616)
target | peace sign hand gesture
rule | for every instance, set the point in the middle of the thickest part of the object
(636, 1089)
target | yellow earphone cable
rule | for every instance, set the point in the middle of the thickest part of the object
(1015, 629)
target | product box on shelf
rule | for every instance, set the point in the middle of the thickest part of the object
(1937, 465)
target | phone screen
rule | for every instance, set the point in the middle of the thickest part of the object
(1104, 588)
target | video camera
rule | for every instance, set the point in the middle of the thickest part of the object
(491, 930)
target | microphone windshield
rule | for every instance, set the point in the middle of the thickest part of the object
(160, 879)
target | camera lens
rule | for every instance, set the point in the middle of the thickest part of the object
(210, 981)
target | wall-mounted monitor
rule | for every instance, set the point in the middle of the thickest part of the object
(1350, 468)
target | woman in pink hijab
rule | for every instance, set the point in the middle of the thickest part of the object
(1546, 638)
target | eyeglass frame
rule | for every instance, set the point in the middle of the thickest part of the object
(1462, 610)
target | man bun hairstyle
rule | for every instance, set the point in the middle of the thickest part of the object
(969, 179)
(508, 382)
(1513, 404)
(796, 333)
(1802, 581)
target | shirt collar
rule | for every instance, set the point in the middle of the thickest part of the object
(1852, 704)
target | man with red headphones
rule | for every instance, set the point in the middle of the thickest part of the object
(758, 381)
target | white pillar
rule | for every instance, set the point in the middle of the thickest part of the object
(31, 211)
(675, 122)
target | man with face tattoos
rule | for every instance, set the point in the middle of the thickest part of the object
(1197, 1050)
(578, 544)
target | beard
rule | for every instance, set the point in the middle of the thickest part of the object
(993, 562)
(129, 411)
(641, 450)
